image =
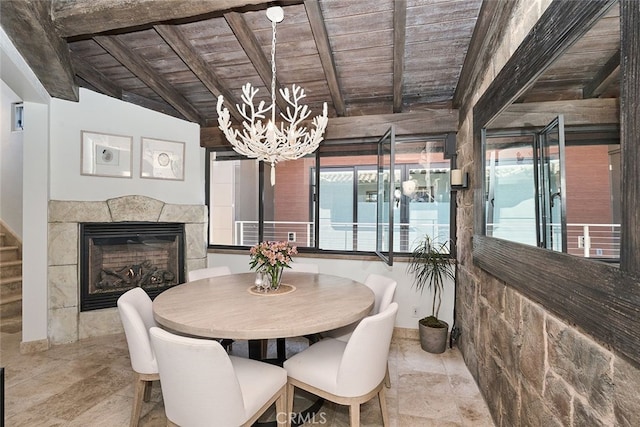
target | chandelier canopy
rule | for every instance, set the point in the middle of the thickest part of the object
(266, 141)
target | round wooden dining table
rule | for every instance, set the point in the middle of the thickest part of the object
(229, 307)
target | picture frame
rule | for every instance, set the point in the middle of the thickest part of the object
(103, 154)
(161, 159)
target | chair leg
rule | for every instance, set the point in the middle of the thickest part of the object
(383, 407)
(290, 392)
(387, 379)
(138, 395)
(354, 415)
(281, 409)
(147, 391)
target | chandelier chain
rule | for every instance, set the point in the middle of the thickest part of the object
(273, 72)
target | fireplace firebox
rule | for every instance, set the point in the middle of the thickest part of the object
(119, 256)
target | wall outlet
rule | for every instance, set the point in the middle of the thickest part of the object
(414, 311)
(291, 236)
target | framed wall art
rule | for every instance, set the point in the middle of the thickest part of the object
(162, 159)
(104, 154)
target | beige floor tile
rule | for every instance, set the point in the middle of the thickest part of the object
(90, 383)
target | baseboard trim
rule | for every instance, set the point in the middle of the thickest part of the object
(28, 347)
(405, 334)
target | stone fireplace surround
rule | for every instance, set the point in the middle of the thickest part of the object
(66, 322)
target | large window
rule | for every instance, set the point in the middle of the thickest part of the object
(339, 187)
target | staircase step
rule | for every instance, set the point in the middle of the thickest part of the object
(9, 253)
(11, 325)
(10, 306)
(10, 269)
(10, 285)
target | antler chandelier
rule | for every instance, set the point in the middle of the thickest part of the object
(266, 141)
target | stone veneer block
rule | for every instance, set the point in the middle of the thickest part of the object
(558, 398)
(582, 363)
(195, 264)
(63, 243)
(28, 347)
(533, 411)
(63, 325)
(63, 286)
(532, 352)
(73, 211)
(196, 240)
(97, 323)
(626, 399)
(184, 213)
(135, 208)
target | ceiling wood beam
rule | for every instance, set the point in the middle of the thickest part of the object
(252, 48)
(183, 48)
(95, 78)
(399, 31)
(81, 17)
(28, 24)
(319, 30)
(605, 77)
(593, 111)
(414, 123)
(149, 76)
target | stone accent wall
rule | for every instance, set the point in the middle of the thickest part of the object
(532, 368)
(66, 322)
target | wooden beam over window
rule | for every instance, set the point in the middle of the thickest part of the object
(357, 127)
(399, 35)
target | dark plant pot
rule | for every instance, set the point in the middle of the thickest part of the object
(433, 340)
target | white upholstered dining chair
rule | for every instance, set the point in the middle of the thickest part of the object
(203, 386)
(136, 313)
(347, 373)
(203, 273)
(384, 289)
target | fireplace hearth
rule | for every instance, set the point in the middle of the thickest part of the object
(116, 257)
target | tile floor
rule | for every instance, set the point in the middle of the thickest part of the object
(89, 383)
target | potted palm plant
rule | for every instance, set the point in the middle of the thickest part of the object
(430, 266)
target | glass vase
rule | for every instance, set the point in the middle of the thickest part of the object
(274, 277)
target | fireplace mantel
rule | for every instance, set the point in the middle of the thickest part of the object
(66, 322)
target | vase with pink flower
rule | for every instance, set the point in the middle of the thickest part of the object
(270, 259)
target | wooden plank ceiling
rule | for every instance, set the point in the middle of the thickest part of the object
(380, 57)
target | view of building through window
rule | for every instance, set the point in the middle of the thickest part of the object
(346, 195)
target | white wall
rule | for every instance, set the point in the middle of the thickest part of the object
(10, 163)
(103, 114)
(406, 296)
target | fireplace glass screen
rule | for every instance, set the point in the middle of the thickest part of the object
(116, 257)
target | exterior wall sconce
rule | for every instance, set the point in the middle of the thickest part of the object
(459, 180)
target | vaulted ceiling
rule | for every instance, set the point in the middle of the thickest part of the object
(361, 57)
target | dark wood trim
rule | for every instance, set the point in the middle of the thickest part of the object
(144, 72)
(399, 35)
(417, 123)
(630, 137)
(598, 298)
(28, 24)
(319, 30)
(605, 77)
(183, 48)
